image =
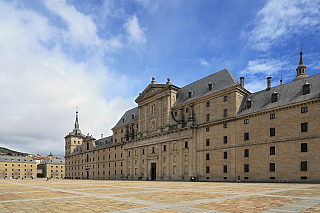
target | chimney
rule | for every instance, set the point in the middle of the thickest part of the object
(269, 83)
(242, 81)
(101, 136)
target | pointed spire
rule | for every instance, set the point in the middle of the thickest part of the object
(301, 69)
(301, 60)
(76, 124)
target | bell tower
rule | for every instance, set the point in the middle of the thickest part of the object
(301, 69)
(74, 138)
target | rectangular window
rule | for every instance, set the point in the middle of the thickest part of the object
(304, 147)
(304, 166)
(225, 155)
(207, 156)
(207, 129)
(274, 97)
(272, 150)
(207, 142)
(225, 139)
(187, 110)
(207, 103)
(186, 144)
(249, 104)
(207, 169)
(164, 148)
(225, 113)
(129, 155)
(225, 98)
(143, 151)
(152, 150)
(246, 136)
(246, 167)
(304, 127)
(208, 117)
(272, 167)
(210, 86)
(246, 153)
(246, 121)
(272, 132)
(304, 109)
(225, 126)
(273, 116)
(306, 89)
(225, 169)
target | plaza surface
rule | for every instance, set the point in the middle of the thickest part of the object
(155, 196)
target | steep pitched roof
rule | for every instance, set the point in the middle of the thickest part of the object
(287, 94)
(127, 117)
(220, 80)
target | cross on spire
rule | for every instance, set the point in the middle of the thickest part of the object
(301, 47)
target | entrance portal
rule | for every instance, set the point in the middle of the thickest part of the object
(87, 174)
(153, 171)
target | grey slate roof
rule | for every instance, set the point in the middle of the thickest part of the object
(53, 161)
(100, 143)
(221, 80)
(17, 159)
(127, 117)
(288, 94)
(104, 142)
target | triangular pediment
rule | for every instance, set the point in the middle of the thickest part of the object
(151, 90)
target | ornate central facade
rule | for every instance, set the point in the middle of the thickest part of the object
(212, 129)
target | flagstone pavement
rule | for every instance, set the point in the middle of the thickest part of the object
(39, 195)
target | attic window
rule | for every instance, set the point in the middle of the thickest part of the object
(249, 103)
(274, 97)
(190, 93)
(306, 89)
(123, 119)
(132, 116)
(210, 86)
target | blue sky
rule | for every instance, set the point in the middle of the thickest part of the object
(57, 55)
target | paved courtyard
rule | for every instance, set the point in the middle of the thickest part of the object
(153, 196)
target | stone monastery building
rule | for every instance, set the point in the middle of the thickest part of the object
(212, 129)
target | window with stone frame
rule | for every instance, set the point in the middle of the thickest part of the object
(225, 155)
(304, 109)
(207, 169)
(272, 167)
(207, 142)
(246, 136)
(304, 147)
(246, 153)
(272, 150)
(207, 156)
(304, 166)
(246, 167)
(225, 169)
(274, 97)
(304, 127)
(273, 116)
(272, 132)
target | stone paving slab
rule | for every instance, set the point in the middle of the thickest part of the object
(121, 196)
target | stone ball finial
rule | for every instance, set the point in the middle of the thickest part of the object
(153, 80)
(169, 83)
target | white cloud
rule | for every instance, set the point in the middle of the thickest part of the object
(203, 62)
(81, 29)
(40, 86)
(136, 34)
(279, 20)
(264, 66)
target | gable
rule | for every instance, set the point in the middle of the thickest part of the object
(151, 90)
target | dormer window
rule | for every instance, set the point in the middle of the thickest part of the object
(274, 97)
(249, 103)
(123, 119)
(190, 94)
(132, 116)
(210, 86)
(306, 88)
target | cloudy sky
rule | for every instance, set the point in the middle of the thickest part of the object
(56, 55)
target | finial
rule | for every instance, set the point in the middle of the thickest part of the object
(281, 80)
(168, 82)
(153, 80)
